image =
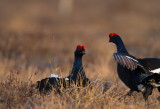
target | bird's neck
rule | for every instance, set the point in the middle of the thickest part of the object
(77, 65)
(120, 46)
(77, 69)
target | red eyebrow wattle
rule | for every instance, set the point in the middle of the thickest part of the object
(79, 47)
(83, 47)
(112, 34)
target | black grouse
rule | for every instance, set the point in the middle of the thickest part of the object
(141, 75)
(77, 75)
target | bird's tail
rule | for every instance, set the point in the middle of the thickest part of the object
(33, 88)
(153, 80)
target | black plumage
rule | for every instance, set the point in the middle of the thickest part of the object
(137, 74)
(77, 76)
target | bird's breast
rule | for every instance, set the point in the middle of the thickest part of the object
(125, 76)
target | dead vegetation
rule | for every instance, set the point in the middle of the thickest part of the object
(16, 93)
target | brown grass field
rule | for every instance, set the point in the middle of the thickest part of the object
(38, 38)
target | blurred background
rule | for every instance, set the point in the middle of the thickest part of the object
(40, 37)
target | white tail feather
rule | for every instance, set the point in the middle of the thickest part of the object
(53, 75)
(155, 70)
(140, 87)
(67, 79)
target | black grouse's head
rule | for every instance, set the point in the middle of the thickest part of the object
(114, 37)
(80, 51)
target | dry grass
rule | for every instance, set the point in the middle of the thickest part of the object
(36, 39)
(15, 93)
